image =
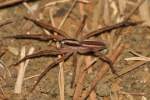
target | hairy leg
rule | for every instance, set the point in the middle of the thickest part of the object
(47, 26)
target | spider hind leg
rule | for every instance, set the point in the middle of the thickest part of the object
(107, 60)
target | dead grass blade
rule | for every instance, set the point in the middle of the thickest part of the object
(133, 93)
(30, 9)
(122, 6)
(3, 66)
(23, 65)
(80, 81)
(144, 98)
(3, 95)
(144, 12)
(18, 82)
(63, 1)
(106, 15)
(140, 57)
(61, 81)
(131, 68)
(30, 77)
(97, 11)
(11, 3)
(55, 2)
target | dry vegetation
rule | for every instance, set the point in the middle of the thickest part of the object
(128, 49)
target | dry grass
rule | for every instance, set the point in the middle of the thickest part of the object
(100, 13)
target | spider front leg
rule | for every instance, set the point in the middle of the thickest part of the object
(107, 60)
(39, 37)
(47, 26)
(51, 66)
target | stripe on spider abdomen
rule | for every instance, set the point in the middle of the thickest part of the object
(89, 43)
(71, 42)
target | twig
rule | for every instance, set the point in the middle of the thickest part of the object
(79, 87)
(1, 54)
(125, 71)
(11, 3)
(135, 53)
(3, 97)
(69, 12)
(131, 68)
(2, 65)
(30, 77)
(55, 2)
(5, 22)
(21, 73)
(132, 93)
(81, 9)
(133, 11)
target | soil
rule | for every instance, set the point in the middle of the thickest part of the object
(135, 84)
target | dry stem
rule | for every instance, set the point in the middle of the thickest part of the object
(23, 65)
(11, 3)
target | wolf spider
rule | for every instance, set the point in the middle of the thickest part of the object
(69, 46)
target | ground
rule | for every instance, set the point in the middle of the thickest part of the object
(134, 85)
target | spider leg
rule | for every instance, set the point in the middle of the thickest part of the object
(38, 54)
(79, 30)
(107, 60)
(109, 28)
(76, 68)
(40, 37)
(73, 82)
(47, 26)
(48, 68)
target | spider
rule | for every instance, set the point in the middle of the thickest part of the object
(69, 46)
